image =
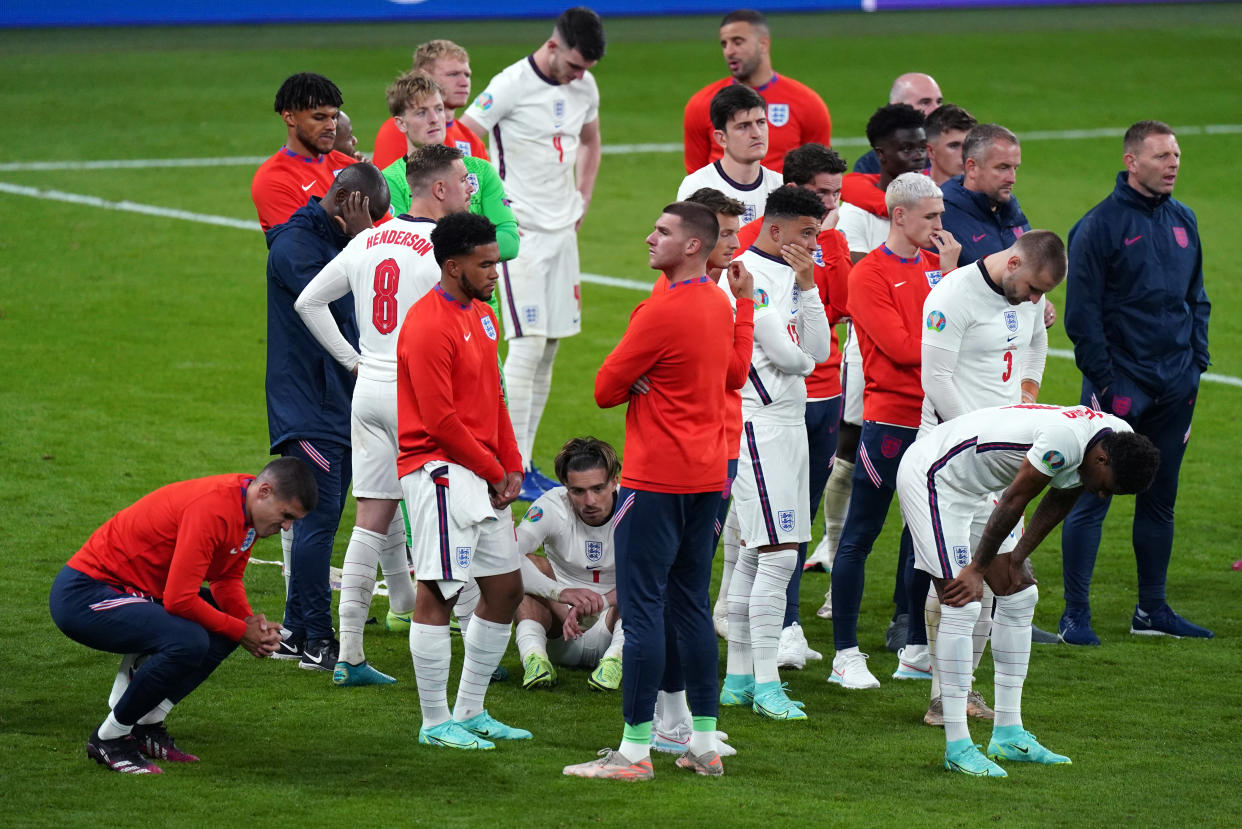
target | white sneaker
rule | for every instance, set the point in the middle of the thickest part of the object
(821, 557)
(825, 611)
(676, 740)
(913, 662)
(849, 670)
(721, 622)
(791, 652)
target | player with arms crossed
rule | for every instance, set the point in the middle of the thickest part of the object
(460, 470)
(576, 578)
(984, 345)
(543, 113)
(771, 491)
(388, 269)
(943, 480)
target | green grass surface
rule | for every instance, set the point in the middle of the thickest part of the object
(133, 352)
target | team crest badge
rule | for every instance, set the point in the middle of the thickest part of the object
(594, 551)
(467, 150)
(558, 111)
(488, 328)
(1011, 321)
(936, 321)
(1183, 239)
(470, 177)
(761, 298)
(1053, 459)
(778, 114)
(932, 277)
(786, 519)
(531, 314)
(818, 256)
(534, 513)
(1121, 406)
(749, 214)
(484, 101)
(890, 446)
(463, 557)
(251, 535)
(961, 556)
(795, 296)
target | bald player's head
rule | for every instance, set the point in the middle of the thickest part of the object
(917, 90)
(364, 178)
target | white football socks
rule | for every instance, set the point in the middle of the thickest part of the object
(485, 645)
(357, 586)
(540, 387)
(467, 601)
(531, 638)
(286, 550)
(731, 536)
(837, 503)
(931, 616)
(521, 364)
(395, 565)
(953, 654)
(1011, 651)
(767, 610)
(617, 645)
(983, 627)
(156, 714)
(431, 650)
(739, 660)
(110, 729)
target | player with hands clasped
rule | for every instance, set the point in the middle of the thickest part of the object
(1022, 450)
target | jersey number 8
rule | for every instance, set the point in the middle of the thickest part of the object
(384, 306)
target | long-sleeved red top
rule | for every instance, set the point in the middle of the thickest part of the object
(683, 341)
(285, 182)
(832, 270)
(167, 543)
(863, 191)
(450, 403)
(886, 296)
(743, 345)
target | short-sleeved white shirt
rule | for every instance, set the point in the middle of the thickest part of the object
(754, 194)
(864, 231)
(580, 555)
(966, 314)
(535, 124)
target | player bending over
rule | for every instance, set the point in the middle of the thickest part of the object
(942, 481)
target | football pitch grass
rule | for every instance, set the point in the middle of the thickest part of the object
(133, 348)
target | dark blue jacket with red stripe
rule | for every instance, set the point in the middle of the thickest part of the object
(308, 393)
(1134, 300)
(982, 231)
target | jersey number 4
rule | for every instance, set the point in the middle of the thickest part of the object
(384, 306)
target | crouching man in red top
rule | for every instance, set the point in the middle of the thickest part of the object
(136, 588)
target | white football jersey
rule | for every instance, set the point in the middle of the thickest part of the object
(754, 195)
(966, 314)
(772, 395)
(864, 231)
(388, 268)
(580, 555)
(981, 452)
(534, 125)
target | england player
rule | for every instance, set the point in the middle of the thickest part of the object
(448, 64)
(796, 114)
(671, 485)
(460, 470)
(914, 89)
(771, 489)
(886, 293)
(419, 113)
(741, 128)
(307, 164)
(543, 114)
(136, 587)
(896, 133)
(576, 578)
(984, 345)
(943, 480)
(946, 128)
(388, 269)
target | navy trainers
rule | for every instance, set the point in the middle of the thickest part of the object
(1164, 622)
(1075, 627)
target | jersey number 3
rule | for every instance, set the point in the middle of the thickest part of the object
(1008, 367)
(384, 306)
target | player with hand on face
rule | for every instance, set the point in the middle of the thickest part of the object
(136, 587)
(741, 129)
(569, 614)
(943, 479)
(460, 469)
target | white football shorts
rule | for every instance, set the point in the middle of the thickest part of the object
(771, 492)
(540, 290)
(373, 432)
(586, 650)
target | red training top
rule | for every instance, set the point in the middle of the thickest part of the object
(886, 303)
(390, 142)
(169, 542)
(863, 191)
(286, 181)
(450, 404)
(682, 340)
(796, 116)
(743, 345)
(832, 269)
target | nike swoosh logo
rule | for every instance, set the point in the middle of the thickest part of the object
(1011, 339)
(1132, 241)
(1023, 749)
(318, 660)
(467, 338)
(899, 284)
(306, 187)
(977, 238)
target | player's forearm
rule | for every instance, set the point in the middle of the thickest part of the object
(586, 168)
(1001, 523)
(312, 307)
(630, 360)
(1035, 356)
(814, 333)
(451, 434)
(536, 583)
(1050, 512)
(743, 344)
(779, 348)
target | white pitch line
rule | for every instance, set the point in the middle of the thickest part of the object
(608, 149)
(241, 224)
